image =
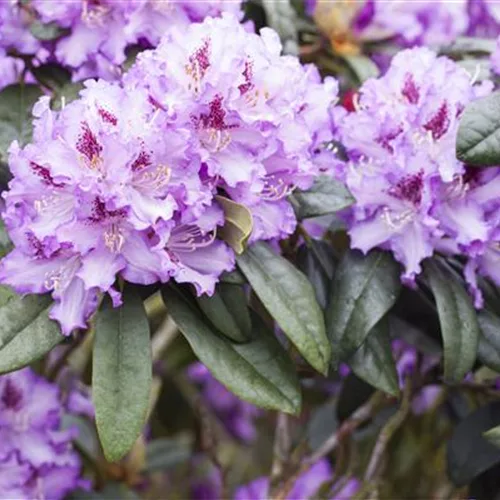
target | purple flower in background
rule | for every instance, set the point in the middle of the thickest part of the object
(96, 33)
(402, 167)
(484, 18)
(306, 485)
(207, 479)
(237, 416)
(36, 457)
(495, 58)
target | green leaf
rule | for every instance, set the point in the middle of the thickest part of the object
(228, 311)
(326, 196)
(470, 45)
(478, 141)
(458, 320)
(16, 102)
(289, 297)
(30, 343)
(373, 361)
(364, 289)
(362, 66)
(317, 263)
(46, 32)
(488, 349)
(165, 453)
(121, 375)
(52, 75)
(18, 313)
(238, 224)
(469, 453)
(259, 371)
(493, 436)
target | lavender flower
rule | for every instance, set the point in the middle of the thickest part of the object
(102, 192)
(237, 416)
(407, 24)
(306, 485)
(255, 117)
(122, 182)
(96, 33)
(402, 170)
(36, 456)
(495, 58)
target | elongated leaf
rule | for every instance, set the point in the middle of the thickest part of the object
(289, 297)
(31, 343)
(363, 67)
(121, 375)
(16, 102)
(493, 436)
(458, 320)
(317, 263)
(259, 371)
(488, 349)
(478, 141)
(18, 313)
(469, 453)
(228, 311)
(326, 196)
(373, 361)
(238, 224)
(470, 45)
(165, 453)
(364, 289)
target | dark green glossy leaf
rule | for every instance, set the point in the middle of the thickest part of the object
(289, 297)
(326, 196)
(121, 375)
(259, 371)
(468, 452)
(457, 317)
(16, 103)
(33, 341)
(373, 361)
(227, 309)
(364, 289)
(488, 349)
(478, 141)
(317, 263)
(18, 313)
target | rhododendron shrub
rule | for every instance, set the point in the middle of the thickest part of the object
(249, 250)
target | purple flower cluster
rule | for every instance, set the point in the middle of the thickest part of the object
(123, 181)
(36, 456)
(402, 166)
(94, 34)
(306, 485)
(236, 415)
(420, 22)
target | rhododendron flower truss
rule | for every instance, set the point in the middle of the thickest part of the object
(122, 181)
(402, 168)
(91, 198)
(91, 37)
